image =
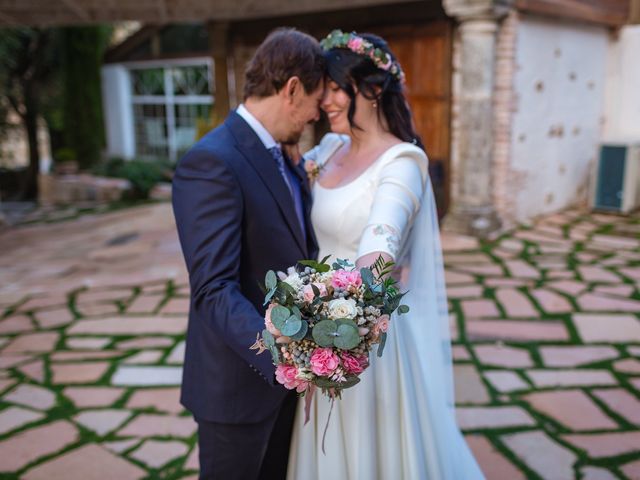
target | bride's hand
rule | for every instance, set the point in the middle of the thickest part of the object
(293, 152)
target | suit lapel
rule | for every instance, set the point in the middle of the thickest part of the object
(253, 150)
(307, 200)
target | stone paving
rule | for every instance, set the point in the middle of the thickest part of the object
(93, 313)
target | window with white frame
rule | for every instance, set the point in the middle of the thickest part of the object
(169, 100)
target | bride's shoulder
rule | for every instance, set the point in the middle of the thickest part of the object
(327, 147)
(407, 154)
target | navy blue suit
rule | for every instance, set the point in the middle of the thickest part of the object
(236, 220)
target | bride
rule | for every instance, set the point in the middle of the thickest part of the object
(372, 196)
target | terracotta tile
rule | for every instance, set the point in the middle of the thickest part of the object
(592, 302)
(177, 354)
(479, 308)
(503, 356)
(576, 355)
(89, 462)
(613, 328)
(145, 304)
(33, 342)
(32, 396)
(88, 343)
(16, 417)
(176, 306)
(631, 469)
(514, 330)
(16, 324)
(33, 370)
(571, 408)
(471, 418)
(84, 397)
(542, 454)
(552, 302)
(54, 318)
(86, 372)
(521, 269)
(146, 342)
(600, 445)
(468, 385)
(628, 365)
(493, 464)
(23, 448)
(156, 453)
(162, 399)
(102, 421)
(622, 402)
(571, 378)
(149, 425)
(131, 326)
(505, 381)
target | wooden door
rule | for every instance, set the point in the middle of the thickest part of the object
(425, 55)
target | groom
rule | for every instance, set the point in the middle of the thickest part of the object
(242, 209)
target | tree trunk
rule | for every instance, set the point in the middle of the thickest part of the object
(30, 119)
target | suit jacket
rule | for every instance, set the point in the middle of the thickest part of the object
(236, 220)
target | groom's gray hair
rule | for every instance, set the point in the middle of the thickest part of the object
(285, 53)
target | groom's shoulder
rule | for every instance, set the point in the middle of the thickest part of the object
(216, 146)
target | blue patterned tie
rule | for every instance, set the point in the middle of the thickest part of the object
(276, 152)
(294, 188)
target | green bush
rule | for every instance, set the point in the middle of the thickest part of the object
(142, 174)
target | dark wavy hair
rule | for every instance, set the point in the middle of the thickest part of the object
(285, 53)
(348, 69)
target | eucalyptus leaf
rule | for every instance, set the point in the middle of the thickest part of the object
(296, 311)
(279, 316)
(269, 295)
(346, 321)
(301, 333)
(275, 354)
(367, 276)
(270, 280)
(267, 338)
(383, 341)
(347, 337)
(291, 326)
(402, 309)
(324, 333)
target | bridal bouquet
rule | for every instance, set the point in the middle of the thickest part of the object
(323, 320)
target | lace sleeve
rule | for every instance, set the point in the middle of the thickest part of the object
(396, 200)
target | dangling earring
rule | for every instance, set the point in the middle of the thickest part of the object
(375, 104)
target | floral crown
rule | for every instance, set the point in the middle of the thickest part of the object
(357, 44)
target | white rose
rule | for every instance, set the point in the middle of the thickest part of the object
(342, 308)
(294, 281)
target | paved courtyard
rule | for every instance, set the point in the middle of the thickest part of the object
(93, 312)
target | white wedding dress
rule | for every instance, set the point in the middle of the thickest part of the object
(398, 422)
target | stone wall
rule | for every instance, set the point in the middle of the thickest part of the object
(558, 88)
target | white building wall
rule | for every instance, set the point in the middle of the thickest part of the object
(558, 112)
(622, 97)
(118, 112)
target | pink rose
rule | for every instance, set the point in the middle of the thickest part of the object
(354, 44)
(351, 363)
(381, 325)
(307, 290)
(267, 321)
(287, 375)
(324, 362)
(343, 279)
(310, 166)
